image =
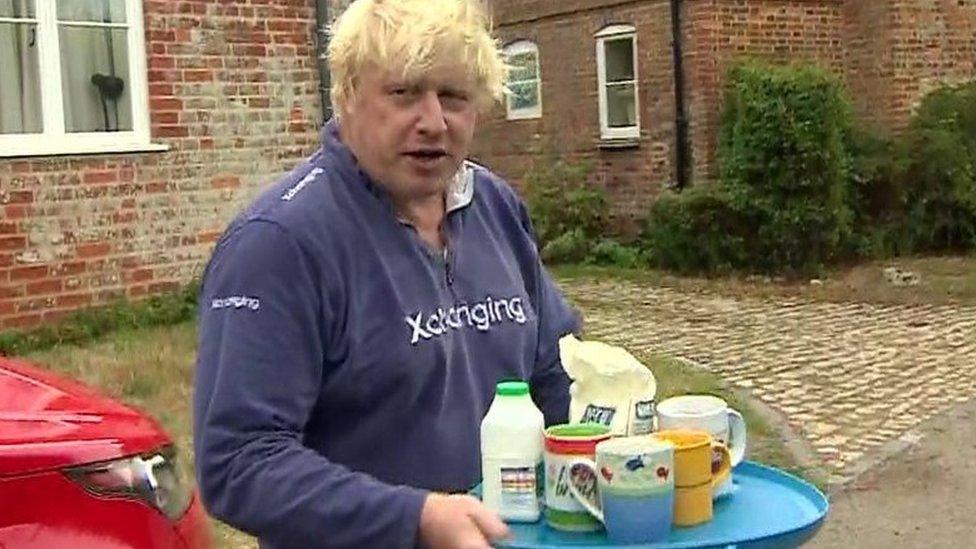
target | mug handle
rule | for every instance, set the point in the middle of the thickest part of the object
(580, 498)
(737, 437)
(724, 470)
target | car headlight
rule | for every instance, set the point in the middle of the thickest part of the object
(153, 478)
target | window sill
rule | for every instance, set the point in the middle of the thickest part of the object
(63, 149)
(523, 116)
(618, 143)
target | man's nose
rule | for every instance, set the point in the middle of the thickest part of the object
(431, 113)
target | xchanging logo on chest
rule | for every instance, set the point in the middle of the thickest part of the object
(481, 316)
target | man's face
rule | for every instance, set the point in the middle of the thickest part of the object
(411, 136)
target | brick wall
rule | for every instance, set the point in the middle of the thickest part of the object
(234, 93)
(714, 33)
(570, 125)
(889, 52)
(720, 31)
(899, 50)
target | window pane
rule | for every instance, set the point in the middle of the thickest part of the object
(523, 67)
(524, 95)
(100, 11)
(620, 59)
(95, 79)
(17, 8)
(621, 105)
(20, 90)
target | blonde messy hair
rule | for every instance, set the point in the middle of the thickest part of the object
(412, 36)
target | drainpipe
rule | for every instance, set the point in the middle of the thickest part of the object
(680, 120)
(322, 20)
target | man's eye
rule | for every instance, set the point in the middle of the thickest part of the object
(455, 94)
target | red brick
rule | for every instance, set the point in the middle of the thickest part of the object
(42, 287)
(198, 75)
(16, 211)
(140, 275)
(226, 182)
(159, 89)
(162, 62)
(157, 104)
(92, 249)
(10, 290)
(73, 300)
(98, 177)
(208, 236)
(33, 272)
(19, 197)
(126, 216)
(21, 321)
(170, 131)
(163, 287)
(12, 243)
(71, 268)
(166, 118)
(6, 260)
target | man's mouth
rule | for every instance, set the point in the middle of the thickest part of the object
(427, 155)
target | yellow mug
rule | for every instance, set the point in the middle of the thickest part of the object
(695, 476)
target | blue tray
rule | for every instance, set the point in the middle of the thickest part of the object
(767, 508)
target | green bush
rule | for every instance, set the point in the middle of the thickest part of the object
(696, 231)
(939, 171)
(784, 164)
(917, 193)
(877, 197)
(569, 215)
(612, 253)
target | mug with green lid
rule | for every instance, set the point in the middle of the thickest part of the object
(565, 443)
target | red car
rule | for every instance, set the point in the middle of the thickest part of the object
(80, 470)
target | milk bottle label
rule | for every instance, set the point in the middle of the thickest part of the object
(519, 488)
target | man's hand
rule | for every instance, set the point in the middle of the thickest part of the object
(459, 522)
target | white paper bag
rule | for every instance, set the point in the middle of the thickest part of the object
(609, 386)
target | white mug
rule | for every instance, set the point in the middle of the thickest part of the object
(711, 414)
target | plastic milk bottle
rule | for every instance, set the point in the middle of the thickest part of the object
(512, 446)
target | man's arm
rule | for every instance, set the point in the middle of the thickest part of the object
(259, 370)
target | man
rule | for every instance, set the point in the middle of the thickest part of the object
(355, 319)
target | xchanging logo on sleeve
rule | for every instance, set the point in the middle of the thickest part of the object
(297, 188)
(481, 316)
(236, 302)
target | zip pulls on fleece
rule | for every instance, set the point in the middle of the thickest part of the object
(448, 270)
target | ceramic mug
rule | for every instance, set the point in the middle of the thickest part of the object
(563, 444)
(635, 488)
(694, 476)
(713, 415)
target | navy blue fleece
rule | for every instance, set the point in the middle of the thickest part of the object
(344, 367)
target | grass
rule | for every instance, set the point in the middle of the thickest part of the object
(944, 281)
(152, 369)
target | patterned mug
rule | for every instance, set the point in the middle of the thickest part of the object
(635, 488)
(563, 444)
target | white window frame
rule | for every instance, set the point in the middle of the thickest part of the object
(54, 140)
(516, 48)
(607, 34)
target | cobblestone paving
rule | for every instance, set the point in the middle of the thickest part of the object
(848, 377)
